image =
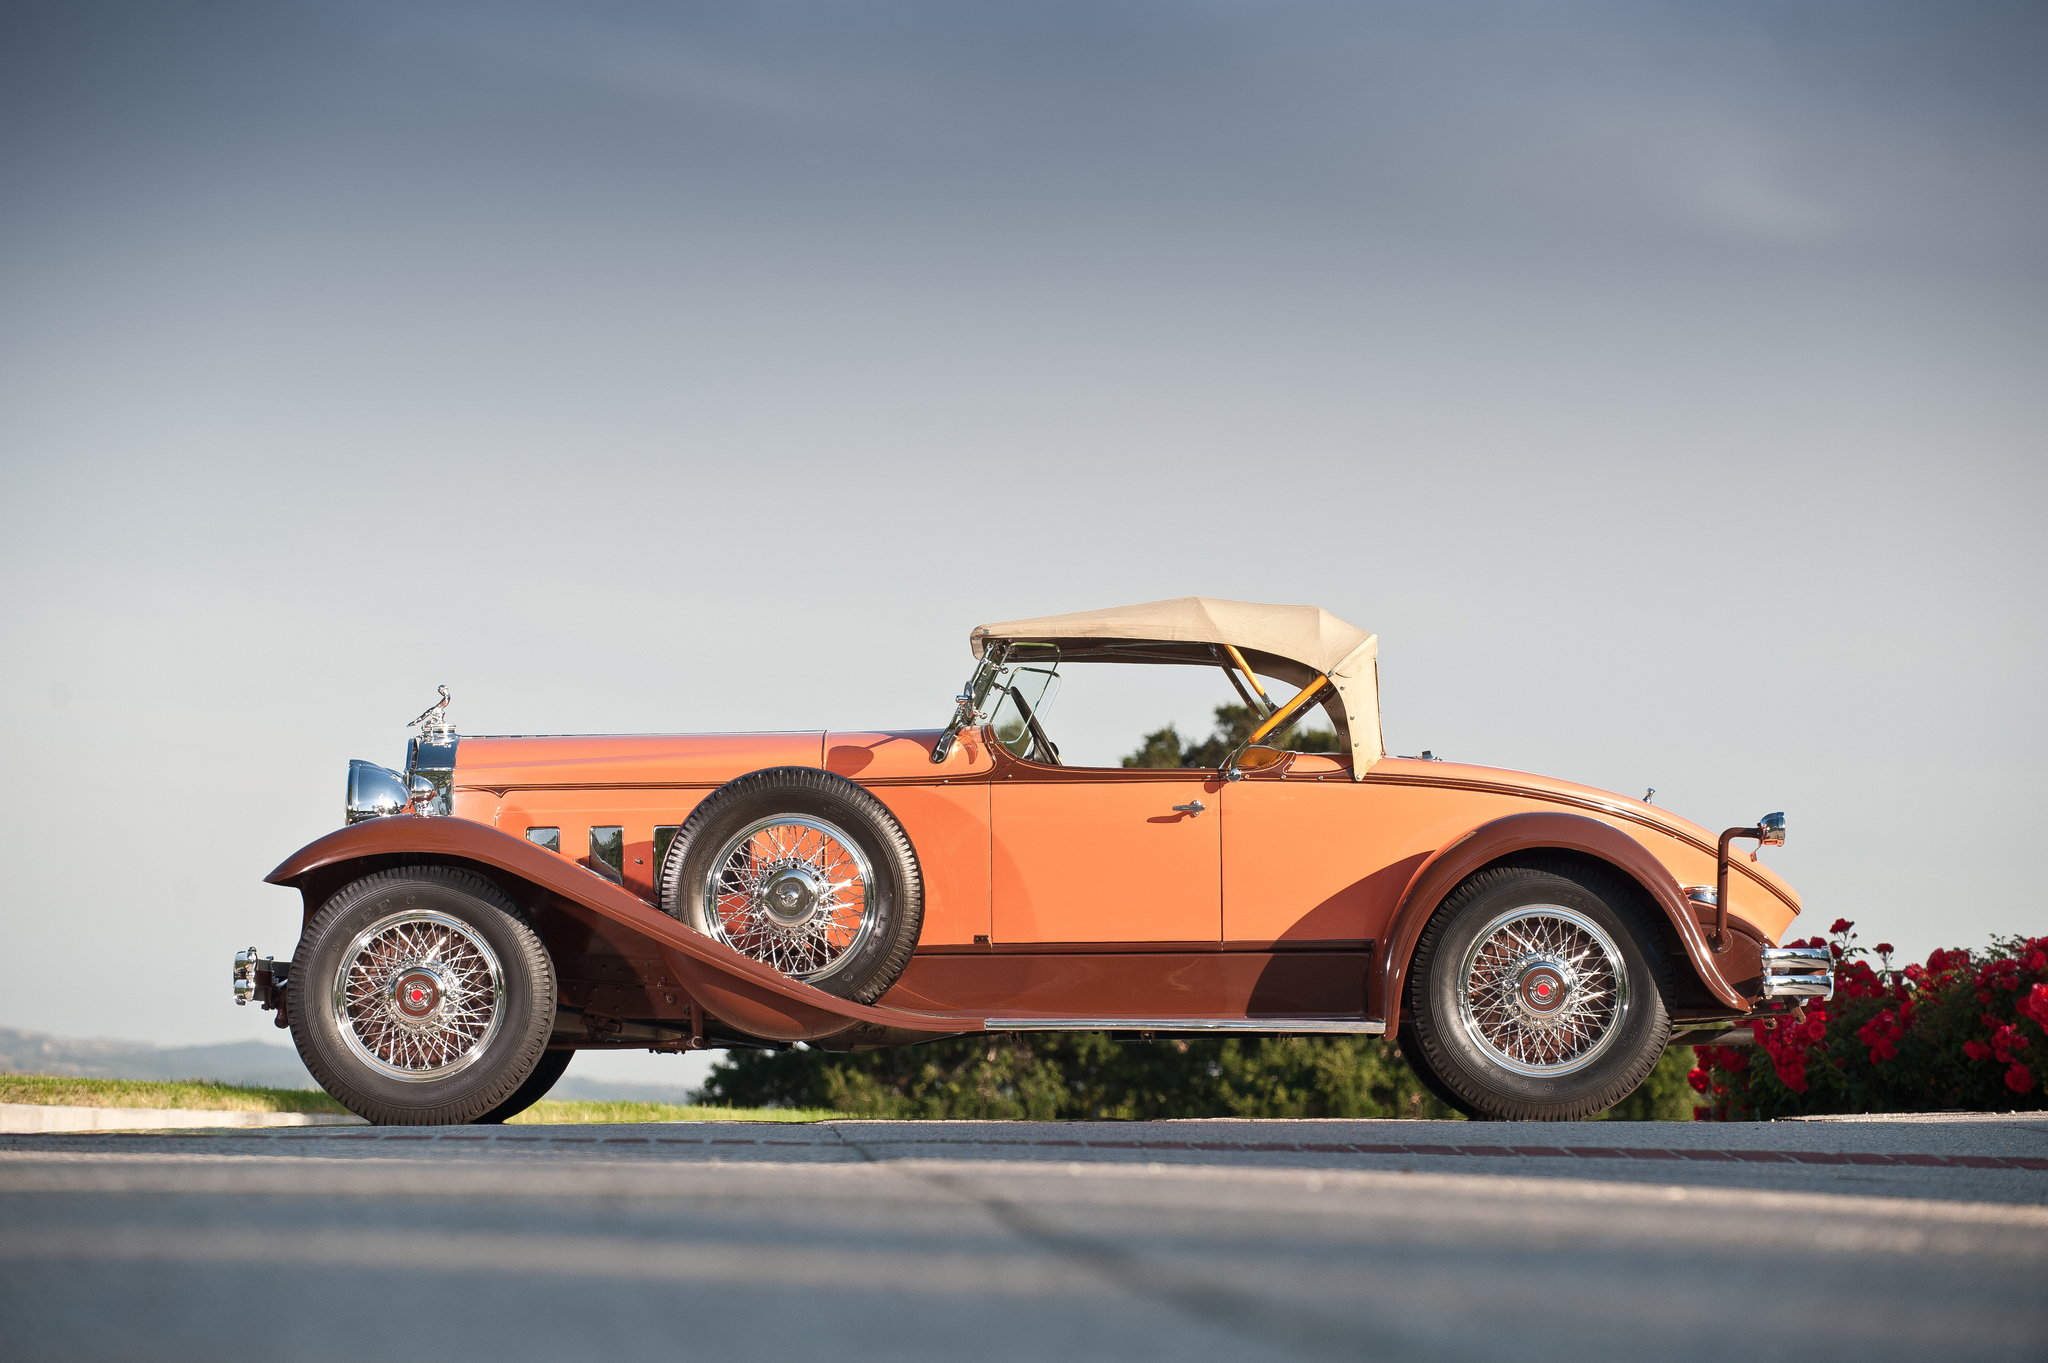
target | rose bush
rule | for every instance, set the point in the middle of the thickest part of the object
(1963, 1030)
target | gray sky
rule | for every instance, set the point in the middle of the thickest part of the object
(1662, 383)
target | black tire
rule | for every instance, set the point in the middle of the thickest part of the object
(433, 931)
(1511, 960)
(536, 1087)
(887, 920)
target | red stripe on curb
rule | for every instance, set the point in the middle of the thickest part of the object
(1588, 1152)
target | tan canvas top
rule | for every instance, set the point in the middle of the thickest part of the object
(1292, 643)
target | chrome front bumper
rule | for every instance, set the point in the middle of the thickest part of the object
(264, 980)
(1798, 973)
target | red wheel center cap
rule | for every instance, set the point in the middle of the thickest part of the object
(418, 994)
(1543, 990)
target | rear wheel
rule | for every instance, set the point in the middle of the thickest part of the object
(1537, 993)
(427, 998)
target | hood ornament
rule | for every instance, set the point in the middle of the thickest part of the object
(433, 721)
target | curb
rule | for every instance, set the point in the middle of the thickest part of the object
(33, 1118)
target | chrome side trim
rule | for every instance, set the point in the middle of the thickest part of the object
(1268, 1026)
(1798, 973)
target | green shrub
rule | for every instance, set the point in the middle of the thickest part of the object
(1073, 1076)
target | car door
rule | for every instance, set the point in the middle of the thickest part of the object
(1101, 855)
(1303, 865)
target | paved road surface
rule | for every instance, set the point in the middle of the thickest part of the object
(1244, 1241)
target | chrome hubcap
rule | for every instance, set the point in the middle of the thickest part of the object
(1544, 990)
(792, 892)
(418, 995)
(1542, 986)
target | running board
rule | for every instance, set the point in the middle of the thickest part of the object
(1266, 1026)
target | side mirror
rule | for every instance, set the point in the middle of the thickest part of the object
(1772, 826)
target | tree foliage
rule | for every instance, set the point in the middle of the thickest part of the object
(1234, 723)
(1078, 1076)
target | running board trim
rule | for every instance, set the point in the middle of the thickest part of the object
(1267, 1026)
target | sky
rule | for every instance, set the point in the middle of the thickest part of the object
(1662, 383)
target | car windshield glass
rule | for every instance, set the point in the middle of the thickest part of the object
(1021, 695)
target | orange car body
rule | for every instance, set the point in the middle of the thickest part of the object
(1053, 895)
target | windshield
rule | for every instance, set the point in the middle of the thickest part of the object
(1022, 693)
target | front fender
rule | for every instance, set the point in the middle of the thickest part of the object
(1445, 869)
(737, 990)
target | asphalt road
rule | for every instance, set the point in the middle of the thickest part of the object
(986, 1241)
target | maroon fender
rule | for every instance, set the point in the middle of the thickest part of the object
(1489, 842)
(738, 991)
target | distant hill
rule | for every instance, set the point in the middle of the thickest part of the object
(261, 1064)
(597, 1091)
(258, 1063)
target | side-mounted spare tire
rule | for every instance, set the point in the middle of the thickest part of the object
(803, 871)
(1536, 992)
(421, 996)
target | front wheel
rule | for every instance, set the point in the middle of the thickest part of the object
(1537, 993)
(421, 997)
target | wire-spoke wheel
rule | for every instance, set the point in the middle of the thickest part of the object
(1544, 987)
(802, 871)
(418, 996)
(431, 999)
(792, 892)
(1537, 991)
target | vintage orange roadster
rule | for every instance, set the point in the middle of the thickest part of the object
(505, 902)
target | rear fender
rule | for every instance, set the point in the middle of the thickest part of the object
(1489, 842)
(743, 993)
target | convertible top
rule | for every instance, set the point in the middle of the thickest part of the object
(1292, 643)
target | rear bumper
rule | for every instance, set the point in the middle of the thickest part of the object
(1798, 973)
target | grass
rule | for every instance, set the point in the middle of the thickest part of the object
(64, 1091)
(549, 1112)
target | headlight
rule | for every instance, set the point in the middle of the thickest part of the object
(374, 792)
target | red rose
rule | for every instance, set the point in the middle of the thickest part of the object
(1841, 925)
(1976, 1050)
(1885, 948)
(2019, 1079)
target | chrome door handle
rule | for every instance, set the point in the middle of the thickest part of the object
(1191, 807)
